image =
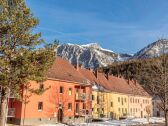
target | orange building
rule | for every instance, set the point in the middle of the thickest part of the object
(67, 98)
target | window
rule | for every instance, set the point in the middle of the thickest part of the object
(77, 108)
(98, 110)
(93, 98)
(125, 100)
(119, 109)
(118, 99)
(125, 110)
(84, 106)
(92, 109)
(122, 101)
(103, 98)
(70, 106)
(70, 91)
(61, 89)
(40, 106)
(60, 105)
(97, 99)
(77, 90)
(111, 104)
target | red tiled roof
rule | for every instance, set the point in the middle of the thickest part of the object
(123, 86)
(63, 70)
(89, 75)
(103, 81)
(114, 84)
(137, 89)
(118, 85)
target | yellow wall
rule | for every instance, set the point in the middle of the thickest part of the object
(119, 106)
(100, 108)
(113, 105)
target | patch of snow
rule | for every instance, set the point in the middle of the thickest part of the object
(96, 46)
(59, 124)
(93, 45)
(107, 122)
(95, 87)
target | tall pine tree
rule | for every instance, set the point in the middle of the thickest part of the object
(22, 58)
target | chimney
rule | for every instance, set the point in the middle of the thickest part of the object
(91, 70)
(77, 66)
(95, 72)
(128, 81)
(107, 75)
(135, 82)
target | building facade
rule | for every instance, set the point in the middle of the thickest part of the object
(67, 98)
(117, 98)
(74, 94)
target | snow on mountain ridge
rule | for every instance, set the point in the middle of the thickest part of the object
(90, 55)
(153, 50)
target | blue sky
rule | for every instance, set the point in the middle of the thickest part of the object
(120, 25)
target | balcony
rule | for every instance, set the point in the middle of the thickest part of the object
(84, 112)
(80, 96)
(11, 112)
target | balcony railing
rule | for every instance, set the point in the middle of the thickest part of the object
(84, 112)
(80, 96)
(11, 112)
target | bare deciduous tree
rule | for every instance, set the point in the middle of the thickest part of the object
(151, 73)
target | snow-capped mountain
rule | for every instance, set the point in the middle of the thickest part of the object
(154, 49)
(91, 55)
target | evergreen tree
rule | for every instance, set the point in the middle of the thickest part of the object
(23, 55)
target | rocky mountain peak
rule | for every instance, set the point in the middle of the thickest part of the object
(91, 55)
(153, 50)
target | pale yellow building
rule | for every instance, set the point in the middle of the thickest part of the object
(111, 96)
(109, 104)
(118, 107)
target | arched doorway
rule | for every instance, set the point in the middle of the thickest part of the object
(60, 116)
